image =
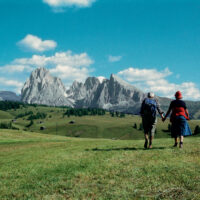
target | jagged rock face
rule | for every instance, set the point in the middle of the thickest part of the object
(77, 91)
(116, 94)
(111, 94)
(8, 96)
(42, 88)
(91, 85)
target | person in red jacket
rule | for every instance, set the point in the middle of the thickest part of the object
(178, 118)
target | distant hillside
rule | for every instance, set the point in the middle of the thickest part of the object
(81, 123)
(9, 96)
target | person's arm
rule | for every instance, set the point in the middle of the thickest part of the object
(168, 112)
(187, 113)
(142, 108)
(159, 110)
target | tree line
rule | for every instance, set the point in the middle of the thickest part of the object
(7, 125)
(84, 112)
(24, 114)
(38, 115)
(7, 105)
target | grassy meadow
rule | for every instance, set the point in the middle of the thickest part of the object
(40, 166)
(97, 157)
(86, 126)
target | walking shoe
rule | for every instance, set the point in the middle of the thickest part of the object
(181, 145)
(175, 145)
(150, 146)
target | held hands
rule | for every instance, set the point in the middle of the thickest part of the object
(163, 118)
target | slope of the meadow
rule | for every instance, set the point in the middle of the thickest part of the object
(86, 126)
(41, 166)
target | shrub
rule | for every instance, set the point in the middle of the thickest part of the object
(24, 114)
(30, 124)
(197, 130)
(39, 115)
(5, 125)
(122, 115)
(135, 126)
(141, 127)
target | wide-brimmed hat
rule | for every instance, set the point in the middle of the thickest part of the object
(178, 95)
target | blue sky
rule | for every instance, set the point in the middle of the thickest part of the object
(153, 44)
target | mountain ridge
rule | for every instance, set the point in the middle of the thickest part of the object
(110, 94)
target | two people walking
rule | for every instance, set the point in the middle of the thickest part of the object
(178, 118)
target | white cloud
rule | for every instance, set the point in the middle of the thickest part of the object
(66, 65)
(34, 43)
(69, 3)
(15, 68)
(136, 74)
(11, 83)
(114, 58)
(69, 73)
(61, 58)
(154, 80)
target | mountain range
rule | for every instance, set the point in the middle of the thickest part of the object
(111, 94)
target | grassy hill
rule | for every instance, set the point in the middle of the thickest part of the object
(103, 158)
(42, 166)
(84, 127)
(5, 115)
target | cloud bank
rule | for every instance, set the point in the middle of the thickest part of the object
(66, 65)
(17, 85)
(36, 44)
(154, 80)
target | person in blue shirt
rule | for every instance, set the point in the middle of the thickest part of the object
(149, 109)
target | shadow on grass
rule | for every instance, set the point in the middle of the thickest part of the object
(126, 149)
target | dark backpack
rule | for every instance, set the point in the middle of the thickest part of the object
(150, 106)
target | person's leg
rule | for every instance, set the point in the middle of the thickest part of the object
(150, 141)
(146, 130)
(181, 141)
(152, 131)
(146, 140)
(175, 141)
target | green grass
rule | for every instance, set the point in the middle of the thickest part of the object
(5, 115)
(87, 126)
(40, 166)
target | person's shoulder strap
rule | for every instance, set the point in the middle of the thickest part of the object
(153, 101)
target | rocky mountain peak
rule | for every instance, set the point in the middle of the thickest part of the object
(42, 88)
(97, 92)
(91, 82)
(115, 80)
(40, 73)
